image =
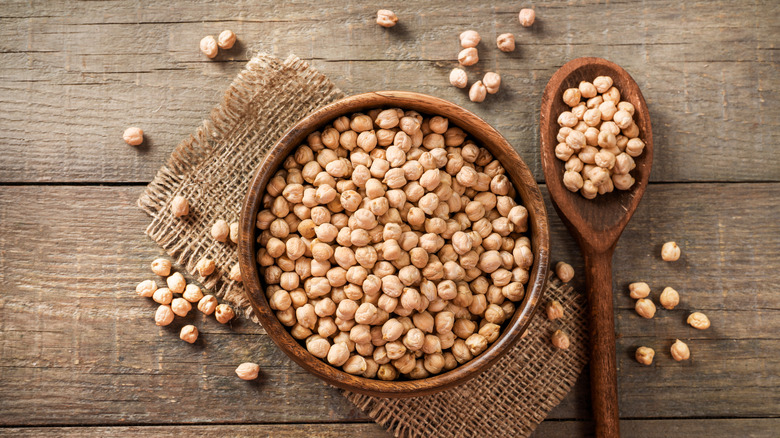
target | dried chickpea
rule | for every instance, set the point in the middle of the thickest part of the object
(224, 313)
(645, 308)
(220, 230)
(226, 39)
(492, 82)
(146, 288)
(560, 340)
(468, 56)
(235, 273)
(189, 333)
(161, 267)
(248, 371)
(176, 283)
(478, 91)
(164, 315)
(554, 310)
(680, 351)
(386, 18)
(669, 298)
(527, 17)
(208, 45)
(133, 136)
(469, 38)
(670, 252)
(207, 304)
(205, 267)
(699, 321)
(506, 42)
(192, 293)
(181, 307)
(638, 290)
(644, 355)
(572, 97)
(179, 206)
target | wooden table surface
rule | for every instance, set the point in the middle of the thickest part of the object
(79, 353)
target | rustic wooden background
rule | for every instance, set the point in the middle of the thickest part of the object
(79, 354)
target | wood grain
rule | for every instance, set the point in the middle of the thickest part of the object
(748, 428)
(79, 347)
(75, 74)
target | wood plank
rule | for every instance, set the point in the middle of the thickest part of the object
(714, 428)
(79, 348)
(711, 83)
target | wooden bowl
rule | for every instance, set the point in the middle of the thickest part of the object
(479, 130)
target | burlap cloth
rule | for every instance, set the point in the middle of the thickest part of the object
(212, 169)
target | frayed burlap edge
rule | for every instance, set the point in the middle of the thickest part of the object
(212, 168)
(511, 398)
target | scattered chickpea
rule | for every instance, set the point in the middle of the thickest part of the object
(468, 56)
(560, 340)
(133, 136)
(670, 252)
(208, 45)
(645, 308)
(458, 78)
(478, 92)
(224, 313)
(163, 316)
(207, 304)
(527, 17)
(181, 307)
(220, 231)
(179, 206)
(386, 18)
(506, 42)
(638, 290)
(161, 267)
(564, 271)
(235, 273)
(554, 310)
(192, 293)
(699, 321)
(234, 232)
(189, 333)
(176, 283)
(146, 288)
(248, 371)
(644, 355)
(163, 295)
(669, 298)
(205, 267)
(680, 351)
(492, 82)
(469, 38)
(226, 39)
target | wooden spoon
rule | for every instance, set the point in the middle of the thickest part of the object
(596, 224)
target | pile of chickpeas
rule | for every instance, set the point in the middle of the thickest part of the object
(598, 139)
(392, 245)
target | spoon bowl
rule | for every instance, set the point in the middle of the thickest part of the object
(597, 223)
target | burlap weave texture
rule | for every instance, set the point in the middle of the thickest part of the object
(212, 169)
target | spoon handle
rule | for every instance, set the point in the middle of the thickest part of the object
(603, 368)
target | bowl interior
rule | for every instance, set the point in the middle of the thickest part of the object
(610, 206)
(477, 129)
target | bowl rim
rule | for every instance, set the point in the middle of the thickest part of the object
(488, 137)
